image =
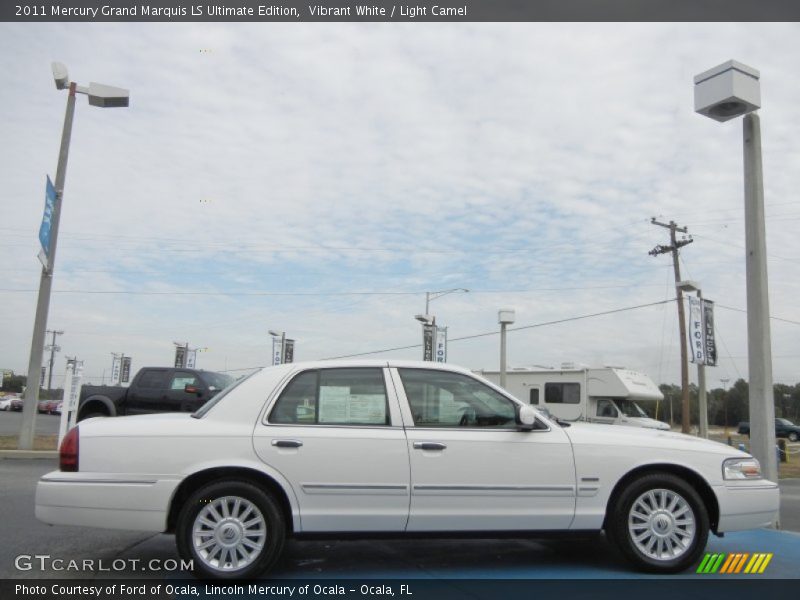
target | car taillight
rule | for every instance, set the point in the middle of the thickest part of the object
(68, 453)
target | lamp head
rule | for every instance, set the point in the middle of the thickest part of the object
(60, 75)
(506, 316)
(688, 286)
(727, 91)
(108, 96)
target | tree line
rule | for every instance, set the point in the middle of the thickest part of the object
(725, 407)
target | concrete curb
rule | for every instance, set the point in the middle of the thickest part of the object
(51, 454)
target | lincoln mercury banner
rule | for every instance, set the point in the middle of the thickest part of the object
(701, 331)
(428, 336)
(708, 328)
(180, 357)
(289, 352)
(126, 369)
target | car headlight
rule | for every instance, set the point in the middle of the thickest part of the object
(741, 468)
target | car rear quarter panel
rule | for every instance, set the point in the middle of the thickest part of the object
(130, 467)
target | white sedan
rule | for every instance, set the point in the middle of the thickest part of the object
(394, 447)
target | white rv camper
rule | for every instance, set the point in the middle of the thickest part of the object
(600, 395)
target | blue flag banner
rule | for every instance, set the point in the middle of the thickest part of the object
(47, 218)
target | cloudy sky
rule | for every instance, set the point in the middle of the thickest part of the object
(320, 178)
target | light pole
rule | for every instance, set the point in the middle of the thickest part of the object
(702, 402)
(505, 316)
(282, 335)
(727, 91)
(99, 95)
(429, 329)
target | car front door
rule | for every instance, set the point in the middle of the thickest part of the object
(337, 436)
(472, 468)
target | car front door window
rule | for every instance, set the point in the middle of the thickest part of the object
(444, 399)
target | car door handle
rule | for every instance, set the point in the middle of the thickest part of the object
(287, 443)
(429, 446)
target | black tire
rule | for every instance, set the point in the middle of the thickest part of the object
(207, 564)
(793, 437)
(655, 493)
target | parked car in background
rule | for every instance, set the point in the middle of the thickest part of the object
(154, 389)
(5, 402)
(47, 406)
(59, 407)
(370, 448)
(783, 428)
(16, 404)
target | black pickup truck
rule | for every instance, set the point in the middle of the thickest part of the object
(783, 428)
(154, 389)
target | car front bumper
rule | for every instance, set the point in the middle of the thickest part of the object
(747, 504)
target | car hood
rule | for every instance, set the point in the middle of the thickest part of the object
(639, 437)
(650, 423)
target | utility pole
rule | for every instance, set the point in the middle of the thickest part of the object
(53, 349)
(673, 248)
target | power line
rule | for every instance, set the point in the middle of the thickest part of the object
(364, 293)
(520, 328)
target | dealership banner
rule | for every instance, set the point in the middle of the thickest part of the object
(708, 328)
(276, 351)
(126, 369)
(45, 227)
(701, 331)
(288, 354)
(180, 357)
(428, 336)
(116, 369)
(440, 354)
(72, 392)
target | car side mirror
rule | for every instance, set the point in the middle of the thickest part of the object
(526, 417)
(192, 389)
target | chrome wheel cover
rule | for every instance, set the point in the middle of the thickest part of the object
(229, 533)
(661, 524)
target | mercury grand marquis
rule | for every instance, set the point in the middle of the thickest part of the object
(366, 448)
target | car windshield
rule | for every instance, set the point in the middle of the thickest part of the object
(200, 412)
(784, 422)
(629, 408)
(216, 381)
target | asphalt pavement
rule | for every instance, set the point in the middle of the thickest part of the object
(591, 558)
(11, 421)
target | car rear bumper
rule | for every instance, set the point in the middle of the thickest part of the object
(747, 505)
(100, 500)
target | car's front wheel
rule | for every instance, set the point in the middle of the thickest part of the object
(659, 523)
(793, 437)
(230, 529)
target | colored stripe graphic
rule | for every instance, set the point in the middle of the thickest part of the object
(734, 563)
(765, 563)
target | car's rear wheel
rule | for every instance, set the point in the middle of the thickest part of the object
(793, 437)
(659, 523)
(230, 529)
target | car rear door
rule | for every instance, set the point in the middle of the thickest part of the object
(336, 435)
(472, 469)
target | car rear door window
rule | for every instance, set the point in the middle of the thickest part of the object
(334, 397)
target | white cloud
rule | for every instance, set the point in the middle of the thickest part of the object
(385, 157)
